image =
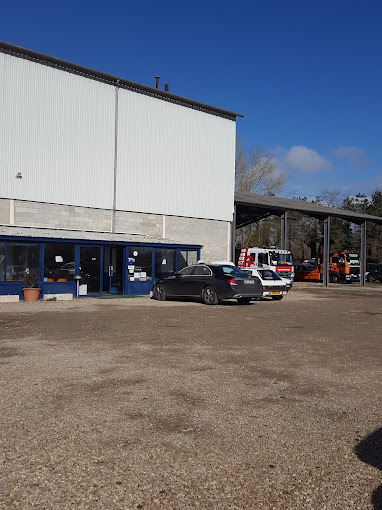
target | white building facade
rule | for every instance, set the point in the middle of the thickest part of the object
(83, 151)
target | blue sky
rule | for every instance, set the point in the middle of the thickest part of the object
(307, 76)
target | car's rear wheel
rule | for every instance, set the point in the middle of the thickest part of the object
(159, 293)
(209, 296)
(243, 300)
(277, 298)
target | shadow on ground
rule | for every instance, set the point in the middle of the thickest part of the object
(369, 450)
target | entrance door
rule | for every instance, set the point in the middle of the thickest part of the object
(113, 269)
(90, 270)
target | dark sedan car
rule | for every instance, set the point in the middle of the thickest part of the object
(210, 283)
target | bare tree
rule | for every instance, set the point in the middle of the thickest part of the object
(256, 170)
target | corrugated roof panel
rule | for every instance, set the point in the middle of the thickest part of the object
(288, 204)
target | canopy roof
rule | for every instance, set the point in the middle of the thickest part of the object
(251, 208)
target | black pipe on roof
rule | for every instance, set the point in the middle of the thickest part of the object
(64, 65)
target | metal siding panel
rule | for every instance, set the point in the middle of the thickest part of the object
(174, 160)
(58, 131)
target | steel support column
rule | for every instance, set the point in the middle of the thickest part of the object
(325, 269)
(362, 269)
(233, 235)
(284, 230)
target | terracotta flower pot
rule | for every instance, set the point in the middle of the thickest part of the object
(31, 294)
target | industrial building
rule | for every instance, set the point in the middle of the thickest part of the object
(107, 179)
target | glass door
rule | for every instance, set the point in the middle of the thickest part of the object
(113, 269)
(90, 270)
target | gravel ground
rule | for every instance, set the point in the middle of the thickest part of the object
(136, 404)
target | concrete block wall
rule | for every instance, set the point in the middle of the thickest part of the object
(4, 211)
(38, 214)
(212, 234)
(134, 223)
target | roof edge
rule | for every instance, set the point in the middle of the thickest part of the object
(64, 65)
(248, 198)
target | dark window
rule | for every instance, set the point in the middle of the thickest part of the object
(202, 271)
(229, 270)
(164, 262)
(140, 264)
(263, 258)
(187, 270)
(22, 259)
(59, 262)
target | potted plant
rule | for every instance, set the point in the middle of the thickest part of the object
(31, 292)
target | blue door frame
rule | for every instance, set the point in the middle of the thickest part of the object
(128, 287)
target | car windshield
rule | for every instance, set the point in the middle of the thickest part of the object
(279, 259)
(229, 270)
(266, 274)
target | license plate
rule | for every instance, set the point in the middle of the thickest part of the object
(247, 282)
(276, 292)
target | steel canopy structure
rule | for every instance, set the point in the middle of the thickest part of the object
(251, 208)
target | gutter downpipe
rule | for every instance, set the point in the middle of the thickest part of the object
(233, 235)
(115, 155)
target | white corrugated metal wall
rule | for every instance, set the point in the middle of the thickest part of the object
(57, 130)
(182, 160)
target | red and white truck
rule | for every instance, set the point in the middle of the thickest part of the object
(277, 260)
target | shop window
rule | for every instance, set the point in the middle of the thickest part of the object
(187, 258)
(59, 262)
(164, 262)
(140, 264)
(2, 262)
(22, 259)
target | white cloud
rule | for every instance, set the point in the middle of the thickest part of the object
(354, 155)
(305, 160)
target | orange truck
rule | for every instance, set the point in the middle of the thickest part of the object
(344, 267)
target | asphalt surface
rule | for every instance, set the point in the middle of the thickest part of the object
(138, 404)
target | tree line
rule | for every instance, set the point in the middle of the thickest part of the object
(257, 172)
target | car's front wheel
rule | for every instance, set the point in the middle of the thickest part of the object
(159, 293)
(243, 300)
(209, 296)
